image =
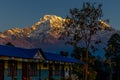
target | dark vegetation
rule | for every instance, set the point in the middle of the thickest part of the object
(79, 27)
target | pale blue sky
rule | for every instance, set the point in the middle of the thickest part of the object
(24, 13)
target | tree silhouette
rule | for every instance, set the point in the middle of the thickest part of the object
(113, 55)
(9, 44)
(78, 53)
(64, 53)
(81, 25)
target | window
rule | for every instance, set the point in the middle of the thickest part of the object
(12, 68)
(32, 69)
(57, 69)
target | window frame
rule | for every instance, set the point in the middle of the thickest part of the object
(32, 69)
(12, 68)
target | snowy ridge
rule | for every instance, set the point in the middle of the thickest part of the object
(49, 24)
(45, 33)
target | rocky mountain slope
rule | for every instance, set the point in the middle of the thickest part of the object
(44, 34)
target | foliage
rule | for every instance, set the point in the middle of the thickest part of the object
(64, 53)
(9, 44)
(92, 74)
(78, 53)
(113, 55)
(81, 25)
(113, 49)
(78, 69)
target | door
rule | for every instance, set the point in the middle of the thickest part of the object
(25, 71)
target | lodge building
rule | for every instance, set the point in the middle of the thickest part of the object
(33, 64)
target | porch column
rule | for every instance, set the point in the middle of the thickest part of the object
(62, 71)
(70, 70)
(39, 70)
(50, 71)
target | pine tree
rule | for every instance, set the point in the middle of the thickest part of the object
(113, 55)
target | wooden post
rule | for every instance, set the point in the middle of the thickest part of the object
(86, 65)
(39, 70)
(50, 71)
(62, 71)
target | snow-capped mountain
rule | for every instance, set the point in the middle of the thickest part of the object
(44, 34)
(46, 31)
(49, 24)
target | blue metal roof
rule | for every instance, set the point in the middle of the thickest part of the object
(11, 51)
(58, 57)
(17, 52)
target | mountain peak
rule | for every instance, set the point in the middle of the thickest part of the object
(44, 33)
(52, 19)
(48, 17)
(104, 24)
(49, 24)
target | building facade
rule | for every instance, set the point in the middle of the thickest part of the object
(33, 64)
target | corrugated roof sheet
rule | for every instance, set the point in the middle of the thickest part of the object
(11, 51)
(17, 52)
(57, 57)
